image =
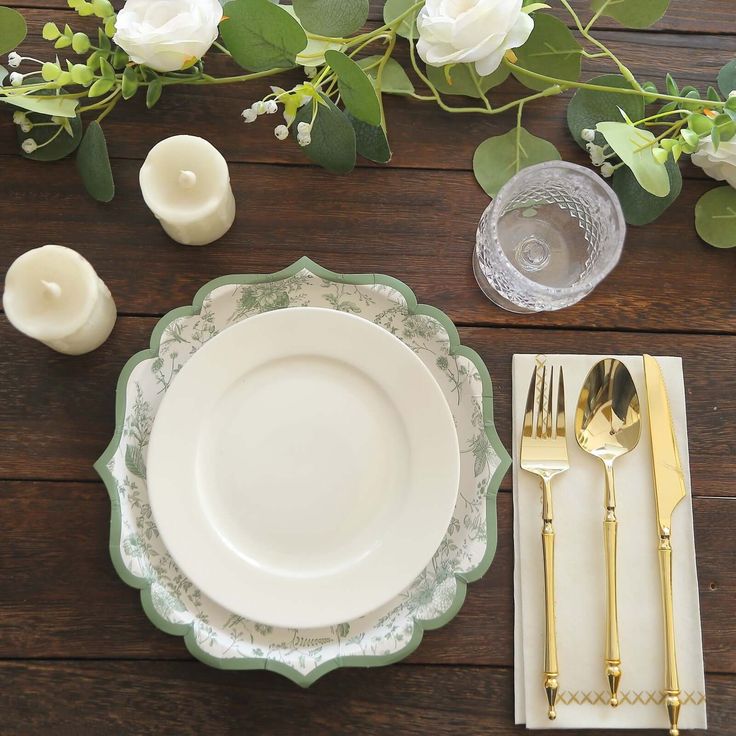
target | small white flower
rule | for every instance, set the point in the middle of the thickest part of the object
(29, 145)
(14, 59)
(16, 79)
(310, 72)
(26, 126)
(304, 139)
(259, 108)
(249, 115)
(607, 169)
(271, 107)
(304, 128)
(596, 154)
(19, 117)
(587, 134)
(281, 132)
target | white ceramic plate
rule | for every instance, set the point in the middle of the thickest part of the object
(303, 467)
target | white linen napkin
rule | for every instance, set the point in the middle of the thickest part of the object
(580, 573)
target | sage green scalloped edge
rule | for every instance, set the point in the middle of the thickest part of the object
(187, 630)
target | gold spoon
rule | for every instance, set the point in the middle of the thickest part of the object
(607, 425)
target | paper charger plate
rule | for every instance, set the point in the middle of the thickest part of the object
(303, 467)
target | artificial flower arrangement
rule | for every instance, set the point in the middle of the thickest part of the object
(336, 113)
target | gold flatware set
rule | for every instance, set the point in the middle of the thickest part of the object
(607, 426)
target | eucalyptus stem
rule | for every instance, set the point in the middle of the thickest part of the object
(379, 73)
(110, 107)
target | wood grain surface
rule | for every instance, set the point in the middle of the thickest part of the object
(77, 653)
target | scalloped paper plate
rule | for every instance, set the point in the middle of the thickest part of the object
(212, 633)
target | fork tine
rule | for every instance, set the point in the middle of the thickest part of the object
(561, 406)
(528, 430)
(540, 404)
(550, 390)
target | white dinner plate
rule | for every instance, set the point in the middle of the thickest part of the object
(303, 467)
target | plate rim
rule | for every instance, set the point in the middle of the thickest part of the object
(186, 631)
(378, 336)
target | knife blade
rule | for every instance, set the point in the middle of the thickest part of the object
(669, 490)
(669, 480)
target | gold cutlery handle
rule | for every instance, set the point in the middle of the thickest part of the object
(551, 671)
(610, 533)
(672, 683)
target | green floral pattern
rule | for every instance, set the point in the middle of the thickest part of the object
(214, 634)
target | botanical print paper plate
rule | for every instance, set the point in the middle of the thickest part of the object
(215, 635)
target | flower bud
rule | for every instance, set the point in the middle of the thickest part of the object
(271, 107)
(29, 145)
(16, 79)
(304, 128)
(249, 115)
(587, 134)
(26, 126)
(14, 59)
(19, 117)
(281, 132)
(607, 169)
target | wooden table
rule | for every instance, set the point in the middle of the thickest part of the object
(77, 654)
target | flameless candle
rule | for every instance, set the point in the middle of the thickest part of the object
(186, 184)
(55, 296)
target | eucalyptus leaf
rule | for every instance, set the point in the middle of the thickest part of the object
(153, 93)
(370, 141)
(13, 29)
(727, 78)
(313, 54)
(715, 217)
(394, 80)
(394, 9)
(333, 18)
(261, 35)
(497, 159)
(62, 145)
(93, 164)
(639, 206)
(333, 143)
(588, 107)
(632, 13)
(551, 50)
(462, 78)
(63, 107)
(634, 147)
(356, 89)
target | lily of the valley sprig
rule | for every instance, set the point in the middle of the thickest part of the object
(634, 131)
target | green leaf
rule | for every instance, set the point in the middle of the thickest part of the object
(727, 78)
(461, 76)
(100, 87)
(639, 206)
(587, 107)
(632, 13)
(634, 147)
(313, 54)
(333, 18)
(370, 141)
(153, 93)
(671, 85)
(63, 107)
(93, 164)
(333, 143)
(129, 85)
(715, 217)
(134, 461)
(394, 80)
(50, 32)
(394, 9)
(713, 95)
(551, 50)
(13, 29)
(261, 35)
(497, 159)
(356, 89)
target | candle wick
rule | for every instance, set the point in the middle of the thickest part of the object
(187, 179)
(51, 288)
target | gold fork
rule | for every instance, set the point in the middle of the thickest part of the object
(544, 453)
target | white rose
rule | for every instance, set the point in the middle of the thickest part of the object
(167, 35)
(471, 31)
(719, 165)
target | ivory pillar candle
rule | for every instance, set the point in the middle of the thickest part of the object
(186, 184)
(53, 295)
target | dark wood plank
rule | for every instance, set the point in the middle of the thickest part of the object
(682, 16)
(56, 412)
(421, 134)
(417, 226)
(181, 698)
(62, 597)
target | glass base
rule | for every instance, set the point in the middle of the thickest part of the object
(492, 294)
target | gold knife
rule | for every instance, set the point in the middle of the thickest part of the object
(669, 490)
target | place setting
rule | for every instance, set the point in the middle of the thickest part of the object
(303, 466)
